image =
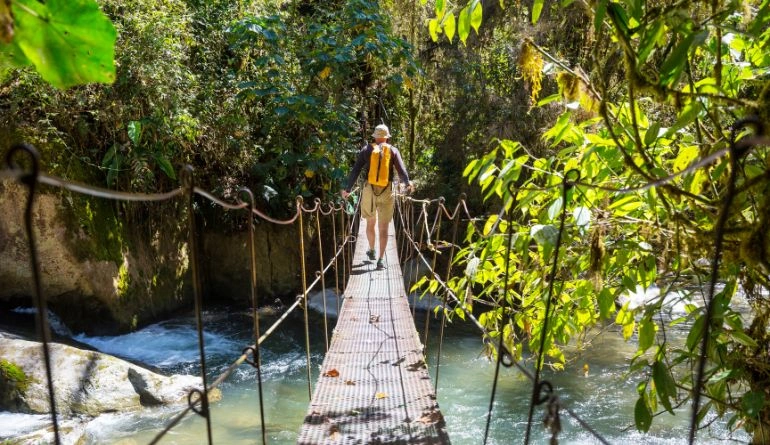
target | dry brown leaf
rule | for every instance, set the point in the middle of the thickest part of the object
(350, 382)
(331, 373)
(334, 432)
(431, 417)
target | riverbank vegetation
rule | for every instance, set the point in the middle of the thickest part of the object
(600, 136)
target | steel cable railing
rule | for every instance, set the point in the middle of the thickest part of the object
(197, 398)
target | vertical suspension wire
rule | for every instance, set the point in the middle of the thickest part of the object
(423, 214)
(437, 224)
(323, 280)
(501, 350)
(41, 317)
(402, 204)
(536, 385)
(304, 295)
(336, 261)
(344, 246)
(255, 310)
(188, 182)
(455, 226)
(735, 154)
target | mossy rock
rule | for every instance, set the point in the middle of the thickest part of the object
(14, 382)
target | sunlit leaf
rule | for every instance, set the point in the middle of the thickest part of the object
(646, 334)
(450, 26)
(70, 42)
(433, 29)
(464, 24)
(537, 8)
(440, 5)
(476, 15)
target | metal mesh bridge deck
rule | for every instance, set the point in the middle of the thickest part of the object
(374, 386)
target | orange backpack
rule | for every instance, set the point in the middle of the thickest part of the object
(379, 165)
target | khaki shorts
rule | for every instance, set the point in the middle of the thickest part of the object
(379, 201)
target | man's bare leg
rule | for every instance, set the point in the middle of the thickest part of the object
(370, 223)
(383, 226)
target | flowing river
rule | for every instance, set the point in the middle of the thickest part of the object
(595, 386)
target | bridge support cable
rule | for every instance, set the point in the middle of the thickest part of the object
(501, 349)
(415, 269)
(337, 242)
(188, 181)
(434, 247)
(455, 225)
(303, 273)
(257, 359)
(323, 276)
(30, 181)
(550, 297)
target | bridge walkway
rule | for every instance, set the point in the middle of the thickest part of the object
(374, 386)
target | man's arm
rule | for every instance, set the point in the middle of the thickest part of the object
(360, 162)
(400, 167)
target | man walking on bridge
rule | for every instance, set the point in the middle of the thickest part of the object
(379, 159)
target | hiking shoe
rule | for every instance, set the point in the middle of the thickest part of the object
(371, 254)
(380, 264)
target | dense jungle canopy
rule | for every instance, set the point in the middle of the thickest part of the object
(597, 137)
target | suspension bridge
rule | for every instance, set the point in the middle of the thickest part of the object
(373, 386)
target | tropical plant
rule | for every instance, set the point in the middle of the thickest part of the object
(647, 173)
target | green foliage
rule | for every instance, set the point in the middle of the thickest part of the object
(687, 73)
(295, 80)
(69, 42)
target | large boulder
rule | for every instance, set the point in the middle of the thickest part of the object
(85, 383)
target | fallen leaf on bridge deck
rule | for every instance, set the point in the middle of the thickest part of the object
(331, 373)
(431, 417)
(380, 395)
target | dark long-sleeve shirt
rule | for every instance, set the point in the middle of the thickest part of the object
(362, 163)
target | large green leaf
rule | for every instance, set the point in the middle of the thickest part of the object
(70, 42)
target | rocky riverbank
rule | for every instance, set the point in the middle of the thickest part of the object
(87, 384)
